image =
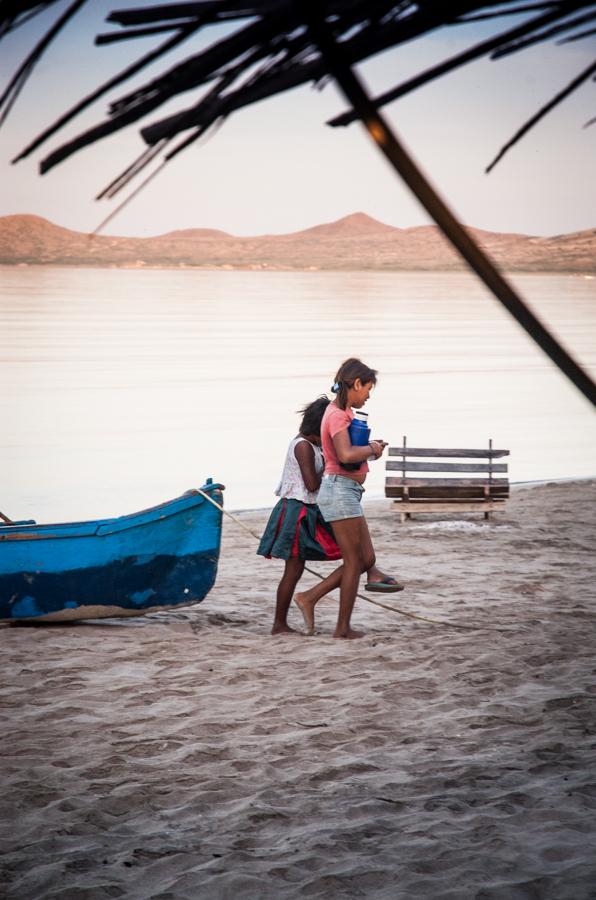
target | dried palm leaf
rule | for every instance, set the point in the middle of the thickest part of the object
(280, 44)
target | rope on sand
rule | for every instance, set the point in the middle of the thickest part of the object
(393, 609)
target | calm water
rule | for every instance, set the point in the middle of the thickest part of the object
(121, 389)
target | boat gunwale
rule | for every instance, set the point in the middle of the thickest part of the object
(93, 527)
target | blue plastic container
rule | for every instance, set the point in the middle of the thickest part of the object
(359, 431)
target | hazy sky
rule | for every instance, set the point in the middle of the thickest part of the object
(276, 167)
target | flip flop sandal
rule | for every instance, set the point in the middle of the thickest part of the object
(386, 586)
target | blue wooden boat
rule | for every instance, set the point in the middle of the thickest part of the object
(159, 558)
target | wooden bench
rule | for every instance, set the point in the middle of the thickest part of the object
(413, 488)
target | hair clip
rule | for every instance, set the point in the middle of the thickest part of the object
(336, 388)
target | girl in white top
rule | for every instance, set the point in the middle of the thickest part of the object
(296, 530)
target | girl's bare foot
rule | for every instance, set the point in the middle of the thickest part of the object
(308, 612)
(349, 635)
(282, 628)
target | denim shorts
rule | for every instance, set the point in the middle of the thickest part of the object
(339, 498)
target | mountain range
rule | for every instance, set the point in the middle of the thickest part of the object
(354, 242)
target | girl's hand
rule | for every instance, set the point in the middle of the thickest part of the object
(377, 448)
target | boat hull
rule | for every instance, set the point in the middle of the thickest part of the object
(160, 558)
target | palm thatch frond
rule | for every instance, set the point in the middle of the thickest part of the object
(12, 16)
(272, 50)
(281, 44)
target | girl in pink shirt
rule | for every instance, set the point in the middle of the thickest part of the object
(340, 493)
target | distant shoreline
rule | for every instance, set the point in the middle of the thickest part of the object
(167, 267)
(354, 243)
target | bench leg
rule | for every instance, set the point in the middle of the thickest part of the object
(402, 517)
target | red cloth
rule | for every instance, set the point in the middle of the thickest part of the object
(296, 544)
(330, 547)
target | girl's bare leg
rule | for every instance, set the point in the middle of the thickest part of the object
(307, 600)
(353, 538)
(292, 573)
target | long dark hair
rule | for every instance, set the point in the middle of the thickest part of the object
(347, 374)
(312, 416)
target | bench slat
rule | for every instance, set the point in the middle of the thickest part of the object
(446, 494)
(441, 502)
(487, 507)
(444, 467)
(425, 451)
(443, 490)
(395, 481)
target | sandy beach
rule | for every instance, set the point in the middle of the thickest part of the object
(192, 755)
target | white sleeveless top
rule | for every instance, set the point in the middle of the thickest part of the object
(291, 485)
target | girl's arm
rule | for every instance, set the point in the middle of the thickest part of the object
(305, 455)
(348, 453)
